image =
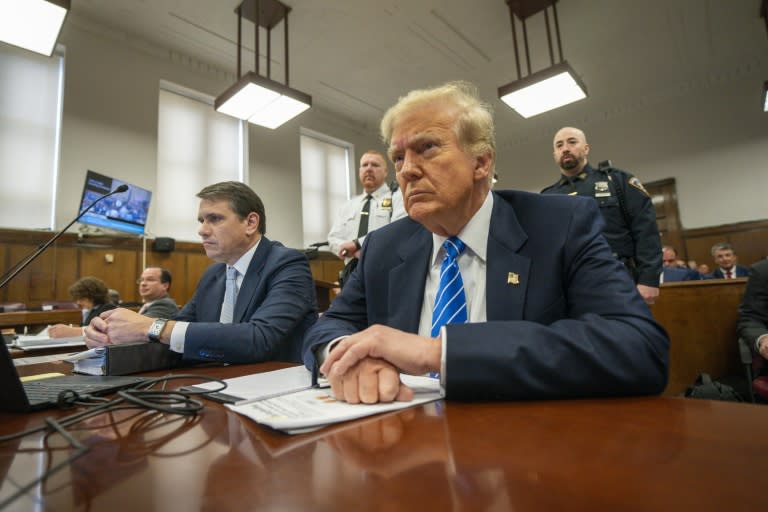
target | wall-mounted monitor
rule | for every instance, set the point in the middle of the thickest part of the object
(126, 211)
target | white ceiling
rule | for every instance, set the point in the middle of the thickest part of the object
(356, 57)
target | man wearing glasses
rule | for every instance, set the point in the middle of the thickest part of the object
(153, 288)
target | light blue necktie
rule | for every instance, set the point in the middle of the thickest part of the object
(230, 296)
(450, 302)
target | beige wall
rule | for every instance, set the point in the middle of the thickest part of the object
(710, 135)
(110, 124)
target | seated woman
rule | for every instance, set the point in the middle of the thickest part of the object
(92, 296)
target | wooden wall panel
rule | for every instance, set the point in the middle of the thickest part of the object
(196, 263)
(326, 267)
(51, 274)
(41, 279)
(118, 268)
(749, 240)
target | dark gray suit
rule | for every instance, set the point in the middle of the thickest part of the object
(164, 307)
(275, 305)
(564, 317)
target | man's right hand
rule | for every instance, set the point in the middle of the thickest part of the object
(348, 250)
(96, 333)
(117, 326)
(370, 381)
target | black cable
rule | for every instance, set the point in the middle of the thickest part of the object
(141, 396)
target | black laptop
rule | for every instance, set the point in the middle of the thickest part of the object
(18, 396)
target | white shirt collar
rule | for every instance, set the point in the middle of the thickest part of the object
(382, 191)
(474, 234)
(245, 260)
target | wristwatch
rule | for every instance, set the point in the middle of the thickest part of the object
(156, 329)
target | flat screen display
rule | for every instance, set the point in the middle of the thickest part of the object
(126, 211)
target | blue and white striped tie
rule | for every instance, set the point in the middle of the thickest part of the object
(230, 296)
(450, 302)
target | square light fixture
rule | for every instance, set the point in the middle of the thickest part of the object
(262, 101)
(32, 24)
(254, 97)
(544, 90)
(547, 89)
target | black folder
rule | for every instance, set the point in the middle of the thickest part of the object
(130, 358)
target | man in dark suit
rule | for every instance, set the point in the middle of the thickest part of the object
(545, 309)
(753, 311)
(725, 259)
(671, 271)
(260, 314)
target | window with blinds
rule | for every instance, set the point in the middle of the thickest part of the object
(196, 146)
(327, 178)
(31, 99)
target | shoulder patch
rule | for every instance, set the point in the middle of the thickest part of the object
(639, 186)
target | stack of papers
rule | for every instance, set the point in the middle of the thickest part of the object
(314, 408)
(285, 400)
(90, 362)
(42, 340)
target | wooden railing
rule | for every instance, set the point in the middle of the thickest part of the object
(700, 318)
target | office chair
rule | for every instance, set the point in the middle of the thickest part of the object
(758, 386)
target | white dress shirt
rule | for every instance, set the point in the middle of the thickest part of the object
(386, 206)
(179, 332)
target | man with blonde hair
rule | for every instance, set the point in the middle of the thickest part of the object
(501, 294)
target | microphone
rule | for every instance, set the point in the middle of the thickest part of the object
(29, 259)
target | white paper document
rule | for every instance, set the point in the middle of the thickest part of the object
(41, 340)
(313, 408)
(90, 362)
(259, 386)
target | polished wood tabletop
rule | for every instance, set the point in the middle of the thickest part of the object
(648, 453)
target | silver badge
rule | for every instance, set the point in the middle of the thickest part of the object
(601, 189)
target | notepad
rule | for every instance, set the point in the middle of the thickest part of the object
(41, 340)
(259, 386)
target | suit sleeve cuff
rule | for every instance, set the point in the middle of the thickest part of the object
(443, 344)
(322, 351)
(178, 336)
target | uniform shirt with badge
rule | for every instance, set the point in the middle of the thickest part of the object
(631, 231)
(386, 206)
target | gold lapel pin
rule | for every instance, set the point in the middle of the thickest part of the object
(513, 278)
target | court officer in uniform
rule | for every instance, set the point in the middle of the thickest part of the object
(630, 219)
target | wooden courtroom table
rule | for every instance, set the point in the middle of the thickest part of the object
(647, 453)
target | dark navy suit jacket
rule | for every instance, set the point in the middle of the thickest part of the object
(740, 272)
(672, 274)
(564, 318)
(275, 305)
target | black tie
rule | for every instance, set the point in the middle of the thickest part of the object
(362, 230)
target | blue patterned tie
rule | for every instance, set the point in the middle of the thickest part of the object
(230, 296)
(450, 302)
